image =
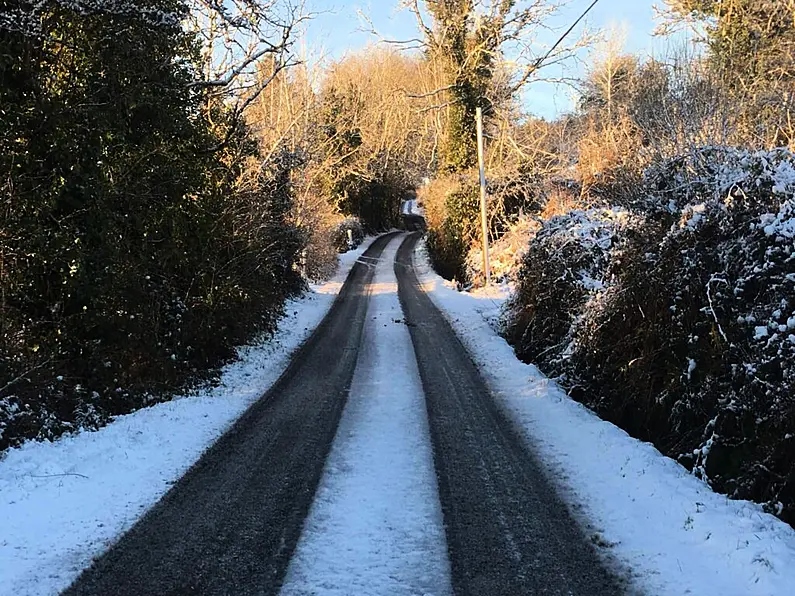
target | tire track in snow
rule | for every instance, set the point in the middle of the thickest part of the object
(231, 523)
(375, 527)
(508, 532)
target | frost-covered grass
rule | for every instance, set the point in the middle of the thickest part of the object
(652, 515)
(64, 502)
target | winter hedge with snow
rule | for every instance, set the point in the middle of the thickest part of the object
(675, 318)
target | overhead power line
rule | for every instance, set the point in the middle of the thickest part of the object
(541, 60)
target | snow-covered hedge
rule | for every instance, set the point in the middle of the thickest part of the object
(562, 267)
(27, 17)
(348, 234)
(679, 324)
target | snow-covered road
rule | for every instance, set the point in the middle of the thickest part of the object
(376, 525)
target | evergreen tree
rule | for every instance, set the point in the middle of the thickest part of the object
(131, 252)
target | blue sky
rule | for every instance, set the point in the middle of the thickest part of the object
(338, 30)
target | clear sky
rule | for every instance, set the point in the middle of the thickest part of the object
(338, 29)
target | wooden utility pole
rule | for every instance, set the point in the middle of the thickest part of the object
(483, 214)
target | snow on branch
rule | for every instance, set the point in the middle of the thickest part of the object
(27, 18)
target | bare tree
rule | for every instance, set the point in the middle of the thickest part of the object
(487, 51)
(610, 75)
(237, 37)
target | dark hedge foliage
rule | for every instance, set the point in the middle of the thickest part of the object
(133, 259)
(564, 263)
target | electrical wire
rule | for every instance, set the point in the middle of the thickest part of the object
(540, 61)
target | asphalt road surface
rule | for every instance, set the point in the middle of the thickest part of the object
(507, 530)
(230, 526)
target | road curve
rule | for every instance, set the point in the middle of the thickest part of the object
(507, 530)
(230, 525)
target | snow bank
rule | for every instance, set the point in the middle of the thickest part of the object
(63, 503)
(677, 535)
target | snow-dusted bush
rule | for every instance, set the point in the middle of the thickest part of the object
(347, 234)
(714, 172)
(687, 338)
(563, 265)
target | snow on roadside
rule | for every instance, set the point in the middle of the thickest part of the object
(63, 503)
(376, 524)
(671, 529)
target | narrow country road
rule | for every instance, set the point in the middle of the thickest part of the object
(378, 464)
(376, 524)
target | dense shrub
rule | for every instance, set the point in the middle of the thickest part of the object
(447, 253)
(374, 202)
(136, 246)
(563, 266)
(319, 258)
(347, 234)
(516, 201)
(452, 208)
(689, 339)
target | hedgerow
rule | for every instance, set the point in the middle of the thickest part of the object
(681, 327)
(140, 242)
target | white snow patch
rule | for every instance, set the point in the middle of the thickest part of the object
(63, 503)
(691, 367)
(589, 283)
(781, 224)
(376, 525)
(674, 532)
(692, 216)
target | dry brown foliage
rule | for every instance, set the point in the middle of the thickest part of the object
(385, 90)
(433, 196)
(284, 119)
(365, 122)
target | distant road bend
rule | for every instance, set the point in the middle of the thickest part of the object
(230, 526)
